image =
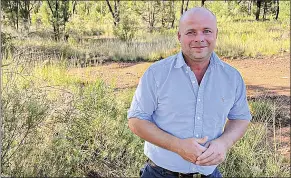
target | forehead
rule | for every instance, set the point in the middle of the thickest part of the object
(198, 20)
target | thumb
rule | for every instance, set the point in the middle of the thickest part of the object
(202, 140)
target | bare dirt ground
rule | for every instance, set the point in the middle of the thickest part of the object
(263, 76)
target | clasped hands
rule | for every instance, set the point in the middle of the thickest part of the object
(213, 153)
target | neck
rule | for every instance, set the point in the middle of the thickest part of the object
(197, 66)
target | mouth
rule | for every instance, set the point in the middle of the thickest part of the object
(199, 47)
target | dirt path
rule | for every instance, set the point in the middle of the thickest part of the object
(263, 76)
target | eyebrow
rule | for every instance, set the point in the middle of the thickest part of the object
(191, 29)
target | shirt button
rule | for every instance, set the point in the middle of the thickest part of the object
(186, 71)
(198, 117)
(197, 135)
(193, 81)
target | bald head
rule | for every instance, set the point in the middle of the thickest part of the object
(200, 12)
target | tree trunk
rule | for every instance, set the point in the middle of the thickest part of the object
(173, 14)
(182, 8)
(250, 7)
(55, 16)
(259, 2)
(163, 15)
(116, 9)
(186, 8)
(265, 11)
(26, 15)
(202, 3)
(115, 13)
(12, 13)
(74, 6)
(17, 14)
(277, 10)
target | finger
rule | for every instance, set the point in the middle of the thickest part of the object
(202, 140)
(201, 148)
(215, 161)
(206, 154)
(207, 159)
(207, 144)
(192, 160)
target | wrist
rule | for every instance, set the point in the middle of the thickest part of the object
(176, 145)
(226, 142)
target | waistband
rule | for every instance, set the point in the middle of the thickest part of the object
(178, 174)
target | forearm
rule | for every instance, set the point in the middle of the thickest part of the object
(151, 133)
(233, 131)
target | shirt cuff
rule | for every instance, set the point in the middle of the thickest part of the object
(240, 117)
(139, 115)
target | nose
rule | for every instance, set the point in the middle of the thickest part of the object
(199, 38)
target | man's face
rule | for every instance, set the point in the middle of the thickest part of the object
(197, 35)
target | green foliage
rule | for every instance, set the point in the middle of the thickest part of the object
(254, 156)
(24, 111)
(262, 111)
(44, 14)
(70, 128)
(126, 29)
(6, 43)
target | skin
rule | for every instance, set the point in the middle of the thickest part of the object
(197, 34)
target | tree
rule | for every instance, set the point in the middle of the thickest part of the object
(267, 8)
(168, 15)
(202, 3)
(17, 10)
(184, 9)
(250, 7)
(277, 9)
(150, 12)
(259, 3)
(116, 12)
(11, 9)
(25, 10)
(60, 16)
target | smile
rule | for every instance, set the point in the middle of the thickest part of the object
(199, 47)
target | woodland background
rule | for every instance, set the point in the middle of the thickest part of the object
(58, 124)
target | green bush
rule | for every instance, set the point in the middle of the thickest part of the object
(68, 129)
(262, 111)
(254, 156)
(125, 29)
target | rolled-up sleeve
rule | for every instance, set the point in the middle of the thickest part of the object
(240, 109)
(144, 101)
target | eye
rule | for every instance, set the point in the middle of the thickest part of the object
(207, 31)
(190, 33)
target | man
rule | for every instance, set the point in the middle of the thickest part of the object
(181, 104)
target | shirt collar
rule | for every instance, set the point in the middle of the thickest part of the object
(214, 60)
(180, 60)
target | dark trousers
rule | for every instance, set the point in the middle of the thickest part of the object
(158, 172)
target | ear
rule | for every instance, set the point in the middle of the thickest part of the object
(216, 33)
(179, 36)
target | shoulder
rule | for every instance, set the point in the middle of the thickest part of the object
(163, 65)
(229, 69)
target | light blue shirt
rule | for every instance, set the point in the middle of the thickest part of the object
(168, 95)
